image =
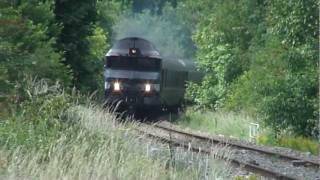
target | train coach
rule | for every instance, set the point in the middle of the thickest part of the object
(137, 77)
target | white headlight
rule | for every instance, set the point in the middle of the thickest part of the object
(116, 86)
(148, 87)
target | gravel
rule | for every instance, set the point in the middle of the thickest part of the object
(294, 169)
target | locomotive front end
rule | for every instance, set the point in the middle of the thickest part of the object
(133, 74)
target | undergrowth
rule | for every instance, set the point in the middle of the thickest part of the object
(53, 134)
(238, 125)
(225, 123)
(298, 143)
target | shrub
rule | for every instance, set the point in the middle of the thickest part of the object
(285, 98)
(36, 120)
(27, 46)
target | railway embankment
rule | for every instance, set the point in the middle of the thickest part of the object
(241, 125)
(277, 163)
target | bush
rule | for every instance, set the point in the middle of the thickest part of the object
(37, 120)
(262, 58)
(27, 46)
(285, 98)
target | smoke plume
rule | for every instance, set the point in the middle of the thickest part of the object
(163, 31)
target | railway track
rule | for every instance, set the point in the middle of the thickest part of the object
(268, 163)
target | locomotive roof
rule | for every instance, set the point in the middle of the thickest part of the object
(122, 47)
(147, 49)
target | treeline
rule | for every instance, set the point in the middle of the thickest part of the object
(56, 40)
(262, 57)
(258, 56)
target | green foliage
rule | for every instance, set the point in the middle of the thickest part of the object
(84, 39)
(56, 40)
(283, 94)
(97, 48)
(295, 22)
(108, 13)
(298, 143)
(36, 122)
(260, 57)
(38, 141)
(27, 46)
(77, 19)
(223, 38)
(257, 56)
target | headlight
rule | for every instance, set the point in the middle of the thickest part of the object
(116, 86)
(147, 87)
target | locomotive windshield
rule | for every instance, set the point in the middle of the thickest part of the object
(136, 43)
(133, 63)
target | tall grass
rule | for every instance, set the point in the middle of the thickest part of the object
(238, 125)
(225, 123)
(57, 135)
(294, 142)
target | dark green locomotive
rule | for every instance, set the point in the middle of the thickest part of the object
(137, 76)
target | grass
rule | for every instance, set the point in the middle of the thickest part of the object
(53, 136)
(298, 143)
(225, 123)
(237, 125)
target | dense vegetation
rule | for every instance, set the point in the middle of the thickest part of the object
(258, 56)
(261, 57)
(68, 136)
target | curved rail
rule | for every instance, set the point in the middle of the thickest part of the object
(241, 146)
(255, 168)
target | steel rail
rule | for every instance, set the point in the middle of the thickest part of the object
(240, 146)
(249, 167)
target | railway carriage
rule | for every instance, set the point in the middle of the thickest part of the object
(136, 76)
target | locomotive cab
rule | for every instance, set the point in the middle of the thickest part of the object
(133, 73)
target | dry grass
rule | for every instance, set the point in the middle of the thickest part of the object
(97, 147)
(56, 135)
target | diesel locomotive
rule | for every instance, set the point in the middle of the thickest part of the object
(136, 76)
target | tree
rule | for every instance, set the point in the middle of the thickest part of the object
(260, 56)
(77, 19)
(281, 83)
(27, 45)
(223, 39)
